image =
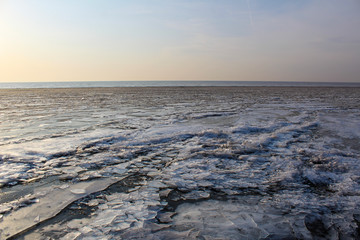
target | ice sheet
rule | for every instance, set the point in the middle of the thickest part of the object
(205, 163)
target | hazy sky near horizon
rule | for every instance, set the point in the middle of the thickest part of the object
(246, 40)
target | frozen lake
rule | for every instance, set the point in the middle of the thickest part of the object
(180, 163)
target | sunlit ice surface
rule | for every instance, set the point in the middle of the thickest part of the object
(180, 163)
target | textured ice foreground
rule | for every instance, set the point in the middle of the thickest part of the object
(180, 163)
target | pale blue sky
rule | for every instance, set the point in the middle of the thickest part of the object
(247, 40)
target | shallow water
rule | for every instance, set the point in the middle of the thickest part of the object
(180, 163)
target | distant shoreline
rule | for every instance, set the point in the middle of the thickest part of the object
(97, 84)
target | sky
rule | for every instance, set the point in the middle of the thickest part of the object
(239, 40)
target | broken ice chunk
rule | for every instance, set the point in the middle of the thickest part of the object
(85, 229)
(78, 191)
(71, 236)
(164, 193)
(103, 206)
(37, 219)
(156, 227)
(196, 195)
(64, 186)
(93, 202)
(157, 184)
(13, 183)
(165, 217)
(105, 218)
(75, 224)
(122, 225)
(5, 209)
